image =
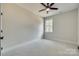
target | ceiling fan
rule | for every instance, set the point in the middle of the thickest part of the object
(48, 6)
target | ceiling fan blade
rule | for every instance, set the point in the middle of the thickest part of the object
(42, 10)
(54, 8)
(44, 5)
(52, 4)
(47, 4)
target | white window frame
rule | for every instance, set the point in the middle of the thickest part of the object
(49, 25)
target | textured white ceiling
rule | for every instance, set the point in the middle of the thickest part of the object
(35, 7)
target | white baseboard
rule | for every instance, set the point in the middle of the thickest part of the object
(65, 41)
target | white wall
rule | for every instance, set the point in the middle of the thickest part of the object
(65, 27)
(19, 25)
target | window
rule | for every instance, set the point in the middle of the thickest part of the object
(49, 25)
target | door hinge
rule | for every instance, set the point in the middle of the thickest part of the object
(1, 13)
(1, 48)
(1, 37)
(1, 31)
